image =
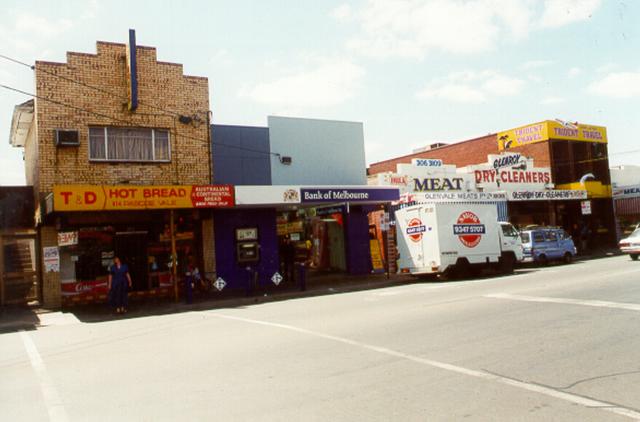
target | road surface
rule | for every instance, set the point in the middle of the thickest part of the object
(557, 343)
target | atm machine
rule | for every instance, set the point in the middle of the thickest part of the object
(247, 246)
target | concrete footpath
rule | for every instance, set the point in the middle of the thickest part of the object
(14, 318)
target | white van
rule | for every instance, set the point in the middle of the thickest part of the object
(454, 239)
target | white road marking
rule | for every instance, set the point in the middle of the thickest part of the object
(52, 400)
(572, 398)
(57, 318)
(595, 303)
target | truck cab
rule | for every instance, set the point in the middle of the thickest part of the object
(510, 240)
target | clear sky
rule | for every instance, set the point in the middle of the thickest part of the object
(414, 72)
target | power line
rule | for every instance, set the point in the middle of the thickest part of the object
(96, 88)
(104, 91)
(126, 122)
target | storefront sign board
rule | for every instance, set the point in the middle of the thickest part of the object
(454, 197)
(130, 197)
(267, 195)
(586, 207)
(323, 194)
(626, 192)
(549, 129)
(426, 162)
(547, 195)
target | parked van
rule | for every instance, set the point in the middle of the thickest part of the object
(544, 244)
(454, 239)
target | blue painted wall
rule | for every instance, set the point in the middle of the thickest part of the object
(240, 155)
(225, 224)
(357, 241)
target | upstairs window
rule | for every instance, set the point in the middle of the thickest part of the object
(129, 144)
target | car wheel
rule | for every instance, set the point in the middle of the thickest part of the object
(567, 258)
(542, 259)
(634, 256)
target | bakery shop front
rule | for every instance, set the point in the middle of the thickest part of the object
(156, 230)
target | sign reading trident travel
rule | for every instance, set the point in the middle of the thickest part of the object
(129, 197)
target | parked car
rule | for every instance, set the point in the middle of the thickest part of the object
(631, 244)
(544, 244)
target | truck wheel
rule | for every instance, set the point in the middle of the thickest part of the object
(507, 262)
(542, 259)
(462, 268)
(567, 258)
(634, 256)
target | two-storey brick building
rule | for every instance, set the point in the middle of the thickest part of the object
(573, 157)
(117, 148)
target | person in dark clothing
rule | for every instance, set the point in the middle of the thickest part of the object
(119, 282)
(288, 257)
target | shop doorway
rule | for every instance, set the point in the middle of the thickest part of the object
(131, 247)
(335, 237)
(18, 270)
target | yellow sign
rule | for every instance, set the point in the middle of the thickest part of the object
(376, 257)
(549, 129)
(129, 197)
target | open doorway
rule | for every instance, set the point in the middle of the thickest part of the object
(131, 247)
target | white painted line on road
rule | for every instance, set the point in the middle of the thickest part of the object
(57, 318)
(572, 398)
(52, 401)
(595, 303)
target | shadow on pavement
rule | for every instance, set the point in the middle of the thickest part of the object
(238, 298)
(17, 318)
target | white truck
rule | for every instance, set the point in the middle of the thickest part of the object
(455, 239)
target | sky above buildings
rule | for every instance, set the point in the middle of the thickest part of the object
(414, 72)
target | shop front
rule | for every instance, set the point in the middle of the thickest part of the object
(627, 208)
(325, 228)
(156, 230)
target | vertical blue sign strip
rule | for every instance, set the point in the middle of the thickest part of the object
(133, 71)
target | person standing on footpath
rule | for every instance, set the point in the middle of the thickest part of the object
(119, 283)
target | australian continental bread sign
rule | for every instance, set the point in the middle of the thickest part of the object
(130, 197)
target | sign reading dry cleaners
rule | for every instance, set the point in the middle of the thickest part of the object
(349, 194)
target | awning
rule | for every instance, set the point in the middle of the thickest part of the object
(252, 196)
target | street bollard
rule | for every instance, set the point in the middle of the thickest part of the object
(302, 276)
(249, 291)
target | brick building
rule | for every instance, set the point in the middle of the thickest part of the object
(112, 142)
(574, 154)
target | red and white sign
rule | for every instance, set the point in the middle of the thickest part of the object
(469, 229)
(415, 229)
(80, 288)
(212, 196)
(67, 238)
(511, 176)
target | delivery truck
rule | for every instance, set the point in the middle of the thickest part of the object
(455, 239)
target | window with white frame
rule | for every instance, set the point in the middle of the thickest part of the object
(128, 144)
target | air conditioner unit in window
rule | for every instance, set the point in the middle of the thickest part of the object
(67, 138)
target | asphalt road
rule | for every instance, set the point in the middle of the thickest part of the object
(559, 343)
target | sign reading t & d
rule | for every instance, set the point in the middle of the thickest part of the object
(129, 197)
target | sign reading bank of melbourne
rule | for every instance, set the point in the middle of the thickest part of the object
(369, 194)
